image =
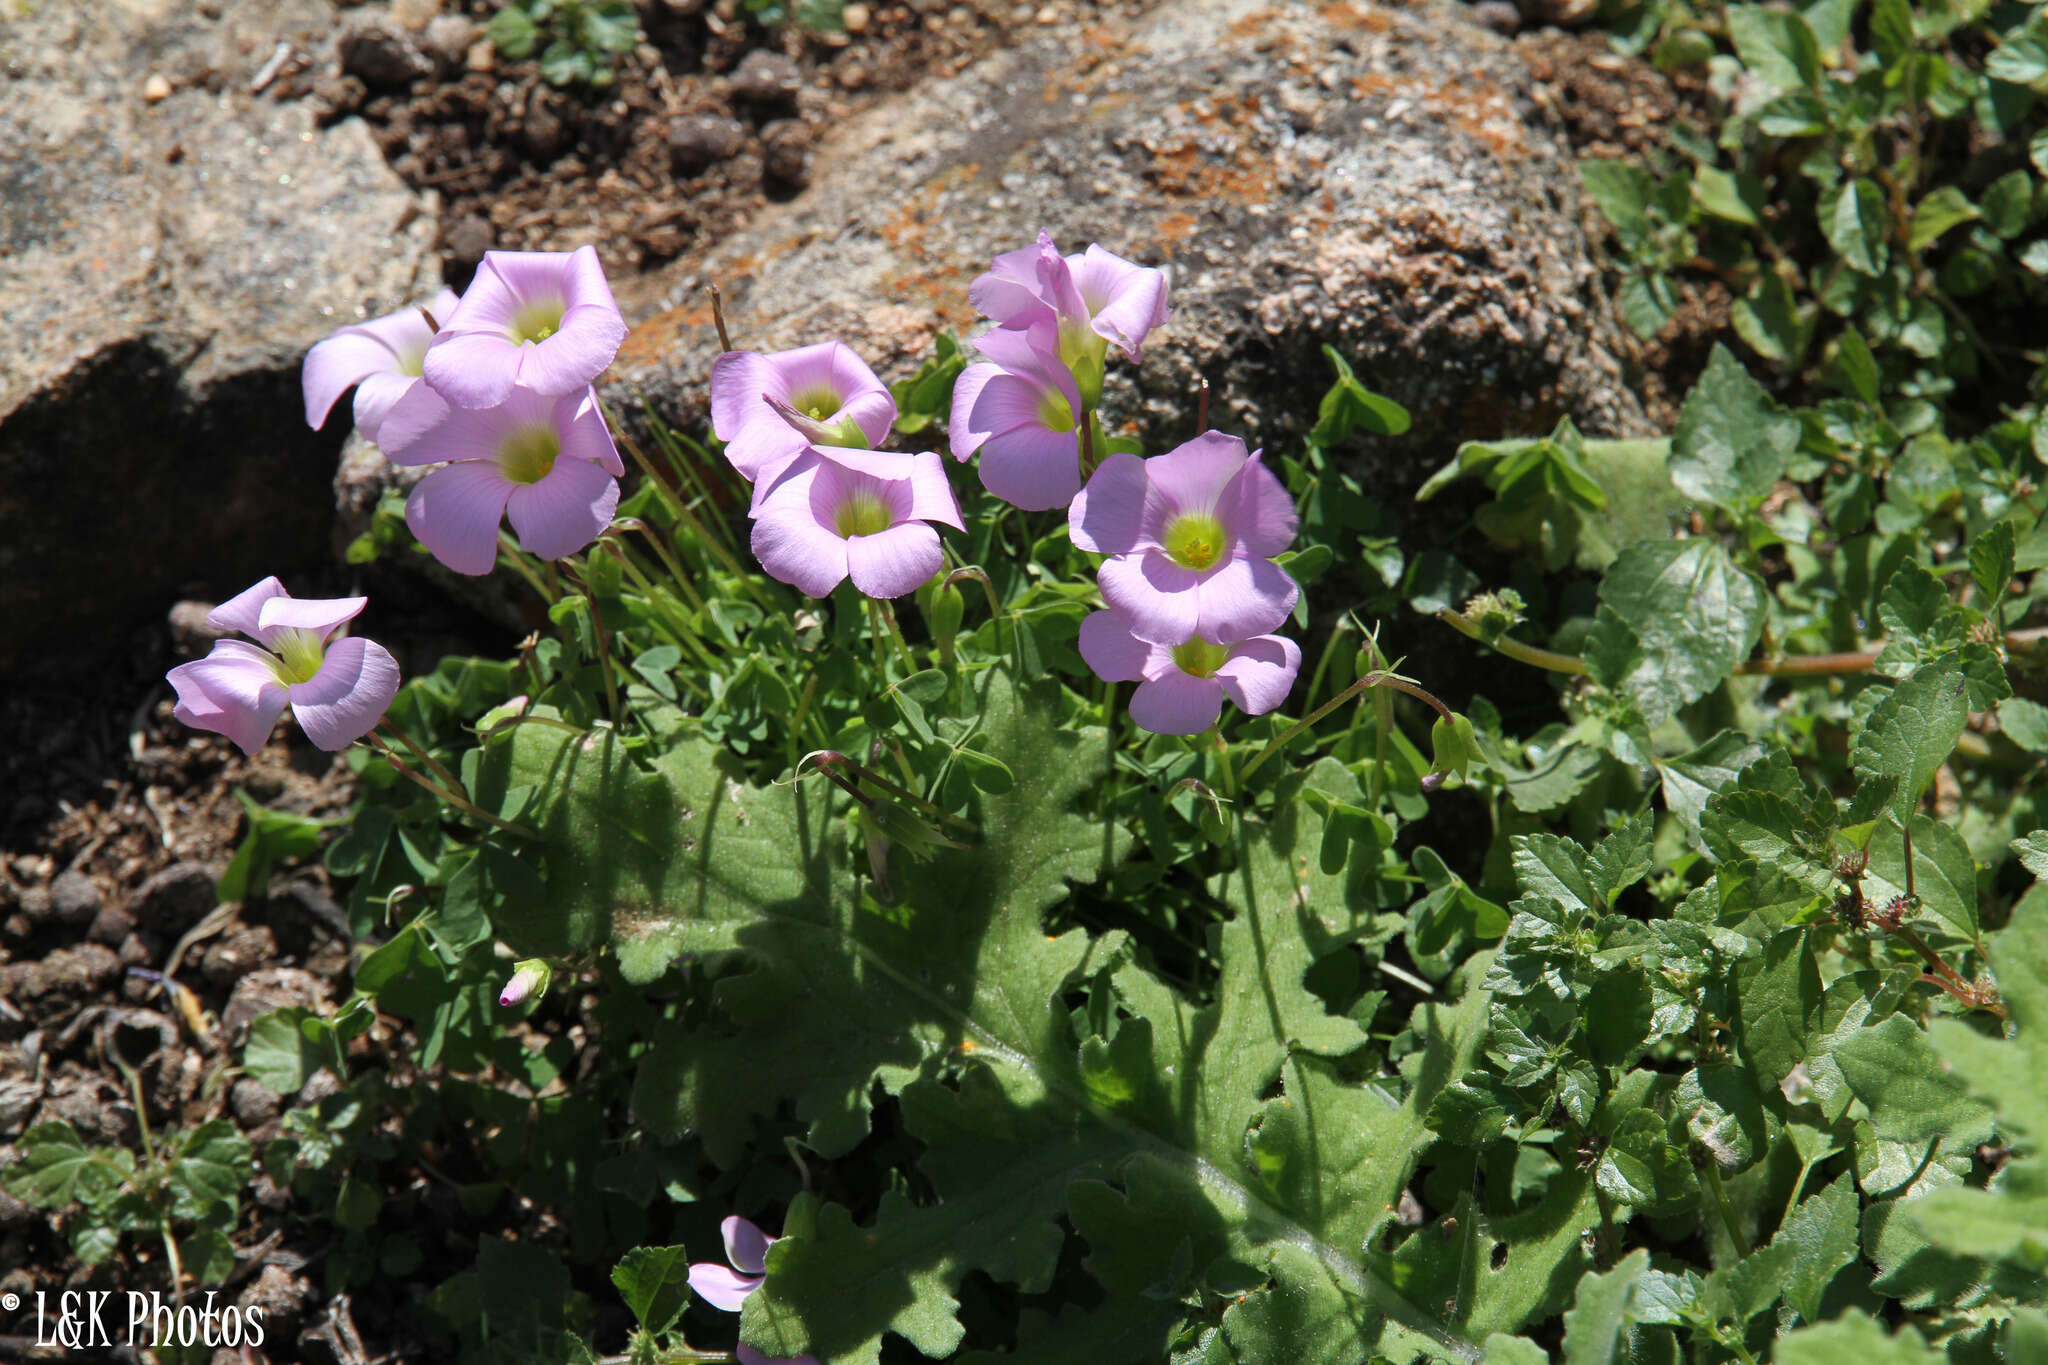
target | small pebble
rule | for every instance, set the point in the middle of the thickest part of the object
(856, 17)
(155, 89)
(482, 56)
(1048, 16)
(75, 899)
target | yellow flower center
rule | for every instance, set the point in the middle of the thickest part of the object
(528, 454)
(1199, 658)
(538, 321)
(412, 361)
(299, 654)
(1194, 540)
(862, 514)
(817, 402)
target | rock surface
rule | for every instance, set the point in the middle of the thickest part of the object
(173, 244)
(1374, 178)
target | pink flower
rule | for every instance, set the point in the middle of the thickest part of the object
(546, 462)
(528, 976)
(1098, 298)
(768, 407)
(381, 358)
(1022, 413)
(542, 320)
(746, 1246)
(1181, 688)
(1190, 531)
(834, 513)
(339, 689)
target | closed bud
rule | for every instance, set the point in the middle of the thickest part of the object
(529, 981)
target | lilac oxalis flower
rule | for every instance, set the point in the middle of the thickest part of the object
(339, 689)
(1098, 299)
(542, 320)
(835, 513)
(1190, 532)
(746, 1246)
(381, 358)
(546, 462)
(769, 406)
(1181, 687)
(1022, 411)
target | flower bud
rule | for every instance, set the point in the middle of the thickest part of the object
(529, 979)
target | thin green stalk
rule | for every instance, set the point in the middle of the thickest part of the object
(461, 803)
(604, 644)
(1315, 681)
(1223, 760)
(1719, 1192)
(510, 553)
(1370, 680)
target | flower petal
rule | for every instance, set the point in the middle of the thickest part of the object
(894, 562)
(746, 1246)
(1126, 300)
(348, 696)
(1108, 516)
(1193, 476)
(404, 432)
(565, 511)
(738, 379)
(244, 611)
(1032, 467)
(472, 369)
(721, 1287)
(1009, 288)
(566, 362)
(795, 549)
(1260, 673)
(963, 436)
(233, 691)
(1111, 650)
(376, 396)
(336, 364)
(320, 615)
(1156, 597)
(1257, 510)
(931, 492)
(1243, 597)
(585, 435)
(1177, 703)
(454, 512)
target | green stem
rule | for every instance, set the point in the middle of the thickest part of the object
(1791, 666)
(1223, 760)
(604, 644)
(433, 788)
(1370, 680)
(510, 553)
(1727, 1210)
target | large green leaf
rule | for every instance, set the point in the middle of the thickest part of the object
(1693, 613)
(1229, 1123)
(1733, 442)
(1911, 732)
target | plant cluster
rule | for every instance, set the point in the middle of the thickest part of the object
(579, 41)
(1669, 989)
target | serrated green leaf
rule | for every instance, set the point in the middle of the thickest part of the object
(210, 1170)
(1823, 1234)
(1641, 1167)
(2025, 723)
(1690, 779)
(1777, 47)
(1733, 441)
(1694, 615)
(1894, 1070)
(1913, 730)
(1992, 557)
(2032, 851)
(1944, 874)
(1854, 1339)
(56, 1168)
(655, 1283)
(1597, 1327)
